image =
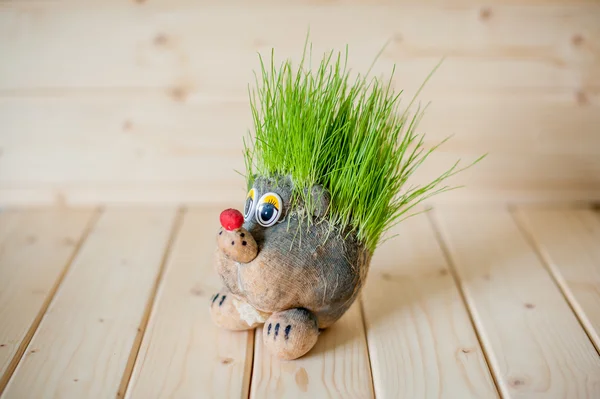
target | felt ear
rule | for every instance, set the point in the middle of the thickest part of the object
(320, 200)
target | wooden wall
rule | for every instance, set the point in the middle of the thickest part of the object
(146, 101)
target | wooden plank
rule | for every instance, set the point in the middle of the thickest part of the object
(36, 248)
(167, 102)
(292, 3)
(338, 365)
(172, 46)
(197, 193)
(534, 342)
(83, 344)
(569, 242)
(157, 148)
(202, 359)
(421, 340)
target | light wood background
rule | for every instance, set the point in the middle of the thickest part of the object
(146, 101)
(487, 303)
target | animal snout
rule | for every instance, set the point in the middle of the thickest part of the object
(233, 240)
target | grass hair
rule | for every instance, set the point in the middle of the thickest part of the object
(322, 127)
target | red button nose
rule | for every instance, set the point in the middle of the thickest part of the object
(231, 219)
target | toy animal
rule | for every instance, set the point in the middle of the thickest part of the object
(325, 179)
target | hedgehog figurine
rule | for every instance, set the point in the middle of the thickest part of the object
(325, 178)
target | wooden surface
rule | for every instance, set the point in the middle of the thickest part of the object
(569, 242)
(421, 340)
(337, 367)
(199, 358)
(37, 248)
(484, 302)
(535, 343)
(83, 345)
(146, 101)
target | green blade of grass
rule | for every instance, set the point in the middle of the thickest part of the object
(348, 135)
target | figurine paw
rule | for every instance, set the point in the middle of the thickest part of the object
(224, 310)
(290, 334)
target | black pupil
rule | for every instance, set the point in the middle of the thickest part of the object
(266, 212)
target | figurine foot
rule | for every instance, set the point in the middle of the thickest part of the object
(291, 333)
(230, 313)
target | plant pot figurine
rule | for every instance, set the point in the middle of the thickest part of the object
(325, 180)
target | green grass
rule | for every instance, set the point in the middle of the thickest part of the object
(324, 127)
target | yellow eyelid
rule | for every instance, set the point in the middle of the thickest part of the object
(271, 199)
(251, 194)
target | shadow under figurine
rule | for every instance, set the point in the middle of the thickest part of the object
(326, 176)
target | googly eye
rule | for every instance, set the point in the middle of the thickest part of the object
(268, 209)
(250, 204)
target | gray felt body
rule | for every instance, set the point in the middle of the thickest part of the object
(298, 267)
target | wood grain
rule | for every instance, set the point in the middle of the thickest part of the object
(83, 343)
(36, 247)
(150, 150)
(153, 109)
(202, 359)
(337, 367)
(421, 340)
(536, 346)
(569, 242)
(174, 47)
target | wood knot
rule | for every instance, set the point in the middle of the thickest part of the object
(227, 360)
(178, 93)
(2, 345)
(301, 378)
(485, 13)
(75, 379)
(101, 320)
(196, 291)
(161, 40)
(577, 40)
(30, 240)
(517, 382)
(386, 276)
(443, 272)
(581, 98)
(463, 353)
(127, 125)
(529, 305)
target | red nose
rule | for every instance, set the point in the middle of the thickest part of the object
(231, 219)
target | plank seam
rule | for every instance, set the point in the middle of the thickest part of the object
(17, 358)
(555, 275)
(364, 324)
(137, 343)
(255, 357)
(453, 272)
(250, 354)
